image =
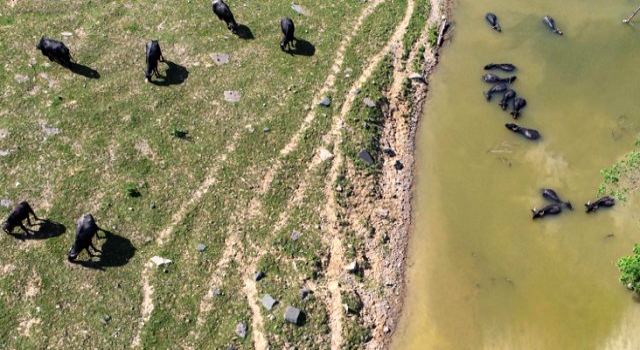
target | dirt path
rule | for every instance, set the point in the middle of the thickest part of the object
(335, 237)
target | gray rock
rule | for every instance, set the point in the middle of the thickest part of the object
(369, 102)
(389, 151)
(231, 347)
(304, 293)
(268, 302)
(324, 154)
(266, 130)
(232, 96)
(241, 330)
(293, 315)
(295, 235)
(366, 157)
(5, 203)
(416, 77)
(398, 165)
(326, 102)
(106, 319)
(382, 213)
(258, 276)
(353, 267)
(220, 58)
(299, 9)
(217, 292)
(201, 247)
(153, 205)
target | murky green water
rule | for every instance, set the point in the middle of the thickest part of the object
(482, 274)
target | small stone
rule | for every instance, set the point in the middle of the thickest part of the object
(219, 58)
(241, 330)
(398, 165)
(304, 293)
(217, 292)
(201, 247)
(416, 77)
(130, 209)
(232, 96)
(17, 184)
(325, 102)
(105, 319)
(630, 286)
(293, 315)
(5, 202)
(295, 235)
(386, 329)
(153, 206)
(382, 213)
(268, 302)
(258, 276)
(366, 157)
(266, 130)
(324, 154)
(160, 261)
(358, 91)
(231, 347)
(58, 306)
(352, 267)
(66, 35)
(339, 188)
(117, 285)
(388, 151)
(369, 102)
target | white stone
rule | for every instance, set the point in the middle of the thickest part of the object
(159, 261)
(324, 154)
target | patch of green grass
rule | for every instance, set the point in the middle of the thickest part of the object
(622, 178)
(416, 25)
(433, 36)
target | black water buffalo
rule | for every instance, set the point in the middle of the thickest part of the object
(507, 67)
(496, 89)
(518, 104)
(288, 29)
(508, 96)
(55, 51)
(551, 195)
(605, 201)
(19, 213)
(493, 21)
(222, 10)
(551, 24)
(551, 209)
(491, 78)
(528, 133)
(86, 230)
(153, 54)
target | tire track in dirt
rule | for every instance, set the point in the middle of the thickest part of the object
(335, 237)
(147, 289)
(326, 87)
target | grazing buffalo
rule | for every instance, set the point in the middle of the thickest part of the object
(19, 213)
(551, 195)
(528, 133)
(55, 51)
(86, 230)
(551, 24)
(224, 13)
(552, 209)
(154, 54)
(508, 96)
(496, 89)
(518, 105)
(605, 201)
(493, 21)
(491, 78)
(507, 67)
(288, 29)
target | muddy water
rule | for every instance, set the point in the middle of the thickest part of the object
(482, 274)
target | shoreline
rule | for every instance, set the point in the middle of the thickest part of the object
(400, 134)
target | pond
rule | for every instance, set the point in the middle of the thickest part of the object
(482, 274)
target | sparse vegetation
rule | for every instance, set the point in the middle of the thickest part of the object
(116, 143)
(622, 178)
(629, 267)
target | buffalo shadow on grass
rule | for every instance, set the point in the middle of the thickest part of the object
(174, 75)
(116, 251)
(85, 71)
(46, 229)
(303, 48)
(244, 32)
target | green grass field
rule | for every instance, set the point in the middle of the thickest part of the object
(72, 143)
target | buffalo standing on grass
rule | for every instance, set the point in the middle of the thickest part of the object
(55, 51)
(154, 55)
(224, 13)
(288, 30)
(86, 230)
(19, 213)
